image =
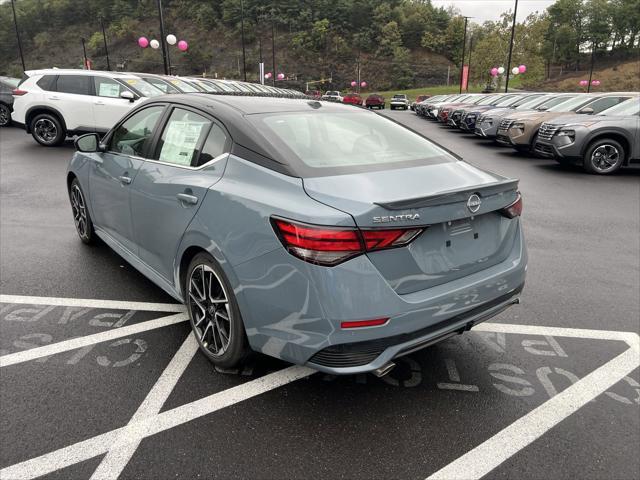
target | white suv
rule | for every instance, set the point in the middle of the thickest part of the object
(399, 100)
(53, 104)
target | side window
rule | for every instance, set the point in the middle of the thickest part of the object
(182, 137)
(132, 137)
(48, 83)
(107, 87)
(77, 84)
(604, 103)
(213, 146)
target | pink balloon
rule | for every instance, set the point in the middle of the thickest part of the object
(183, 46)
(494, 72)
(281, 76)
(522, 68)
(268, 75)
(584, 83)
(143, 42)
(363, 84)
(353, 83)
(595, 83)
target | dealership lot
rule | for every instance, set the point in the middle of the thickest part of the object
(142, 403)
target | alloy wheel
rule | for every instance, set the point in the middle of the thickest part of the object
(79, 210)
(46, 130)
(5, 115)
(605, 158)
(210, 312)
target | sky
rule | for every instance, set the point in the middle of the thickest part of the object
(483, 10)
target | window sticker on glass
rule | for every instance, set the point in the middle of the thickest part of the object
(180, 141)
(109, 89)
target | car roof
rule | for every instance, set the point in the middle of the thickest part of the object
(77, 71)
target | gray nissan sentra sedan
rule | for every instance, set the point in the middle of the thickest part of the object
(317, 233)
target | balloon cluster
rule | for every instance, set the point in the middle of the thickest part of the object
(495, 71)
(355, 84)
(594, 83)
(143, 42)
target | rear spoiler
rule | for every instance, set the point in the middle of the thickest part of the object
(452, 196)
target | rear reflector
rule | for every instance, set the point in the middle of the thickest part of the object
(18, 93)
(333, 245)
(376, 322)
(513, 210)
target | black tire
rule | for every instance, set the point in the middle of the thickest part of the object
(603, 157)
(5, 115)
(47, 130)
(392, 107)
(204, 328)
(81, 216)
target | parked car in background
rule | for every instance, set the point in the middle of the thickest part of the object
(168, 84)
(432, 106)
(400, 101)
(422, 107)
(601, 144)
(469, 115)
(352, 99)
(375, 101)
(447, 108)
(419, 98)
(487, 123)
(7, 84)
(332, 96)
(520, 130)
(315, 94)
(53, 104)
(266, 218)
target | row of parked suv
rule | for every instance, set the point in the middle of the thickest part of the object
(599, 132)
(53, 104)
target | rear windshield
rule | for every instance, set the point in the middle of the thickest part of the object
(346, 141)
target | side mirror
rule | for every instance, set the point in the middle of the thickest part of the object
(89, 143)
(586, 110)
(543, 108)
(127, 95)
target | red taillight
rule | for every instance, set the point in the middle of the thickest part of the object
(514, 210)
(333, 245)
(376, 322)
(16, 92)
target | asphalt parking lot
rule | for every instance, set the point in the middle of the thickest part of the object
(100, 378)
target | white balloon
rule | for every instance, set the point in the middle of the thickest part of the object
(171, 39)
(155, 44)
(500, 69)
(515, 70)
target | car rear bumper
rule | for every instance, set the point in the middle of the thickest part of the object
(293, 310)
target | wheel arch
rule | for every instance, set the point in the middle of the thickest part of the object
(615, 135)
(37, 110)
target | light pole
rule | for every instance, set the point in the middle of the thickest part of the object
(15, 22)
(165, 53)
(104, 38)
(464, 44)
(513, 31)
(244, 60)
(84, 54)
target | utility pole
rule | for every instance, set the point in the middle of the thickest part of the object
(84, 54)
(244, 60)
(469, 64)
(15, 23)
(464, 44)
(163, 40)
(593, 54)
(273, 50)
(261, 65)
(513, 31)
(358, 72)
(104, 38)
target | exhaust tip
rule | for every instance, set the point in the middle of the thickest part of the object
(383, 370)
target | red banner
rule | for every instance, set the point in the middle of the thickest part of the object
(465, 76)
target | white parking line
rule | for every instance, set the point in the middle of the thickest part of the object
(473, 465)
(72, 344)
(524, 431)
(93, 303)
(135, 432)
(122, 451)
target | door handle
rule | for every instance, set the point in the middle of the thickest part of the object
(186, 198)
(124, 179)
(98, 103)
